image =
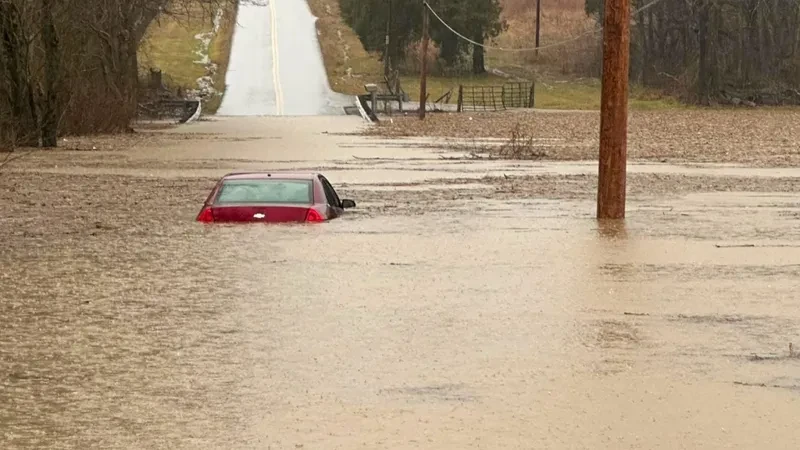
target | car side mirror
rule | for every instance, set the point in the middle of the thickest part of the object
(347, 203)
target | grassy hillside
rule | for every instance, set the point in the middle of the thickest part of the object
(171, 45)
(349, 66)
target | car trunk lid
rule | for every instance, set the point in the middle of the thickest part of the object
(260, 213)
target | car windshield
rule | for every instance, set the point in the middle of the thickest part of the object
(265, 191)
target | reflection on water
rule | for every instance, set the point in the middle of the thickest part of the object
(612, 229)
(506, 327)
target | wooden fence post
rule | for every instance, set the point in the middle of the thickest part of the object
(155, 79)
(423, 91)
(532, 95)
(460, 101)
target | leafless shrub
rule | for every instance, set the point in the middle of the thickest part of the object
(520, 145)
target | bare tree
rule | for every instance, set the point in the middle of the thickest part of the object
(711, 50)
(71, 66)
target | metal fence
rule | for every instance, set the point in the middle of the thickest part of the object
(518, 95)
(480, 98)
(496, 98)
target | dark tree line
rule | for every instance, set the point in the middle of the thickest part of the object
(390, 27)
(717, 49)
(70, 66)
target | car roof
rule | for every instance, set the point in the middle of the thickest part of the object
(274, 174)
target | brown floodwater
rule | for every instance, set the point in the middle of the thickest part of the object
(427, 318)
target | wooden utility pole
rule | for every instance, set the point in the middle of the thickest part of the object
(423, 76)
(538, 21)
(614, 111)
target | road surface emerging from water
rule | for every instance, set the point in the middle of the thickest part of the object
(447, 311)
(276, 66)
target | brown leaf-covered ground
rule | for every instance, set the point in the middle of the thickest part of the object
(758, 137)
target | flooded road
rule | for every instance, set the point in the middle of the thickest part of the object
(445, 312)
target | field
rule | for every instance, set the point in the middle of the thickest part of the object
(580, 94)
(566, 67)
(349, 66)
(756, 137)
(660, 128)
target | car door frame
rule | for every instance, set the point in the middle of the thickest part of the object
(335, 209)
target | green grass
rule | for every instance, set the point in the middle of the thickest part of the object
(170, 46)
(585, 95)
(570, 95)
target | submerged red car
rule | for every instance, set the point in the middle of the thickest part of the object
(273, 197)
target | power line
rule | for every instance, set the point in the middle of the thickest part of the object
(596, 29)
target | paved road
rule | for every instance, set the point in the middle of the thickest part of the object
(276, 66)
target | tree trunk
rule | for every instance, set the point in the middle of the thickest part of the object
(449, 50)
(478, 58)
(387, 60)
(644, 48)
(130, 76)
(50, 107)
(11, 53)
(705, 75)
(24, 120)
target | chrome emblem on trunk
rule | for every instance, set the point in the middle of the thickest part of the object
(258, 216)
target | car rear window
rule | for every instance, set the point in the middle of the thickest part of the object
(265, 191)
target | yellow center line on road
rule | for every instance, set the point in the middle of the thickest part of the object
(276, 73)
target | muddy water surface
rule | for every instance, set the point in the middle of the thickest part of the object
(425, 319)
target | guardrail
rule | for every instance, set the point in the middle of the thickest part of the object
(182, 110)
